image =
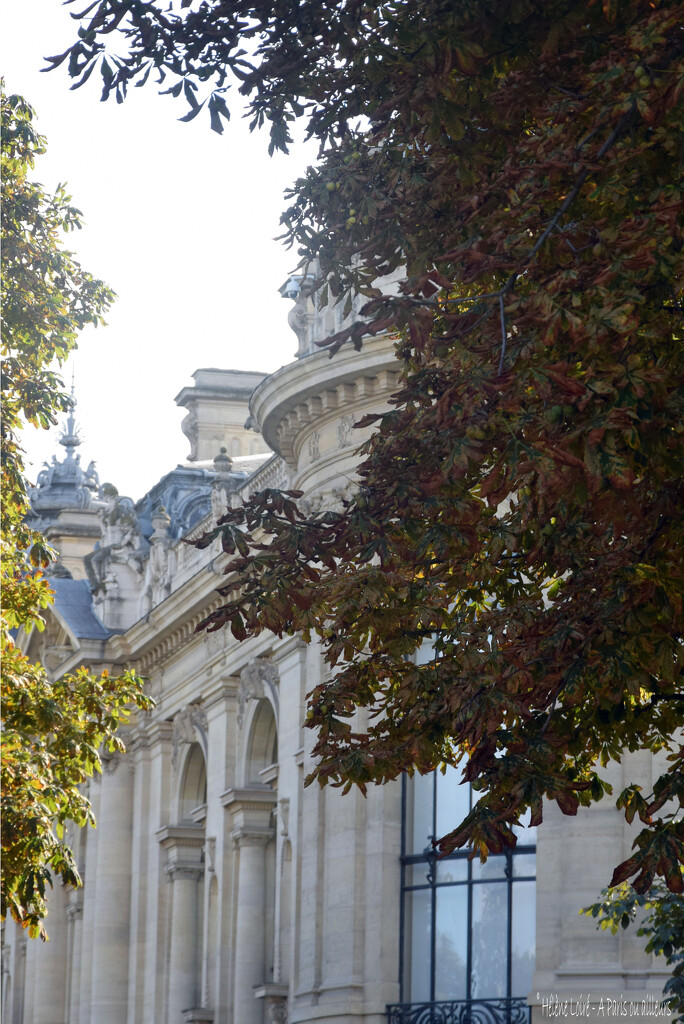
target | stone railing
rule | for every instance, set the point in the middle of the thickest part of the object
(273, 473)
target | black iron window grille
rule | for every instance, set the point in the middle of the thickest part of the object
(490, 1011)
(467, 929)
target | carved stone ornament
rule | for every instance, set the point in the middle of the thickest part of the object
(190, 429)
(313, 445)
(344, 431)
(209, 850)
(275, 999)
(330, 500)
(111, 759)
(254, 678)
(219, 500)
(277, 1011)
(189, 726)
(284, 815)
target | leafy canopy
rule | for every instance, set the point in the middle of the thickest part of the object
(519, 507)
(51, 731)
(660, 916)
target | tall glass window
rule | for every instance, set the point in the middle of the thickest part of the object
(468, 929)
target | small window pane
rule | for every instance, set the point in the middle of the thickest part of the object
(524, 865)
(493, 867)
(451, 947)
(452, 870)
(420, 802)
(453, 800)
(527, 836)
(522, 958)
(417, 927)
(425, 653)
(416, 874)
(490, 941)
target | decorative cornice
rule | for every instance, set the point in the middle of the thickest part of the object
(176, 837)
(249, 799)
(157, 732)
(201, 1015)
(316, 387)
(182, 636)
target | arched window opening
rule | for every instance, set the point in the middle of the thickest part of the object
(193, 790)
(263, 745)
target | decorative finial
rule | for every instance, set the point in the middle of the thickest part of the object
(223, 463)
(69, 436)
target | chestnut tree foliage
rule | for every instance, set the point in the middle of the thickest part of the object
(660, 916)
(51, 730)
(519, 508)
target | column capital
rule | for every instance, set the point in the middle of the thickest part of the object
(155, 732)
(246, 836)
(182, 871)
(252, 812)
(74, 910)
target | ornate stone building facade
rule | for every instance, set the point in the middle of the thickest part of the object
(216, 888)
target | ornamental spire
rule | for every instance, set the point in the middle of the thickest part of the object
(70, 437)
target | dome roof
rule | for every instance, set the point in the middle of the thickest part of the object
(65, 484)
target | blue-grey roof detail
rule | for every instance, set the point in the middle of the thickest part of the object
(74, 603)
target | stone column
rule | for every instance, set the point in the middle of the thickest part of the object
(184, 870)
(89, 920)
(75, 926)
(252, 814)
(13, 1010)
(150, 883)
(49, 1005)
(112, 880)
(30, 981)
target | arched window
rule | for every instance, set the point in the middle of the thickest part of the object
(193, 790)
(263, 743)
(468, 929)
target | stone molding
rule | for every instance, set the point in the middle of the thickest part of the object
(252, 836)
(176, 639)
(275, 999)
(74, 910)
(199, 1015)
(315, 386)
(336, 398)
(224, 691)
(177, 837)
(185, 871)
(156, 733)
(236, 800)
(252, 812)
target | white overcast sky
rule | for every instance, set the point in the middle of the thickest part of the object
(180, 222)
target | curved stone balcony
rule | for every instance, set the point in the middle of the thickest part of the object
(306, 410)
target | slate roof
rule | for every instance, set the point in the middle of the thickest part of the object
(74, 603)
